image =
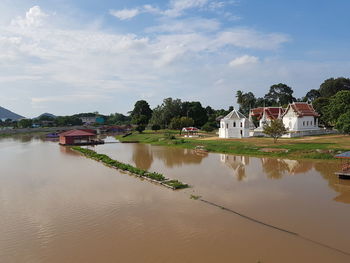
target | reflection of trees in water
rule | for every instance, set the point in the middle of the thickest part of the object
(237, 163)
(142, 156)
(177, 157)
(277, 168)
(24, 137)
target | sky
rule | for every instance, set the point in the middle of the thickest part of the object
(72, 56)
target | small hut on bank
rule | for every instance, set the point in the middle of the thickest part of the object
(78, 137)
(190, 131)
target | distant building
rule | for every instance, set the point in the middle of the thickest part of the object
(100, 120)
(190, 131)
(92, 120)
(234, 125)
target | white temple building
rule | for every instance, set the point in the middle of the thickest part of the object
(264, 115)
(234, 125)
(299, 117)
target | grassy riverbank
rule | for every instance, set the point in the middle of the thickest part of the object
(316, 147)
(157, 177)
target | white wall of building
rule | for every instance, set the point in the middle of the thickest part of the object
(294, 123)
(234, 128)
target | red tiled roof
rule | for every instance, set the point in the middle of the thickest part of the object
(272, 113)
(76, 133)
(190, 129)
(303, 109)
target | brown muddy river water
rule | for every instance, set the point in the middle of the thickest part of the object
(57, 206)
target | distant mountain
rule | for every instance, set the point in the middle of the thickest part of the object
(7, 114)
(46, 115)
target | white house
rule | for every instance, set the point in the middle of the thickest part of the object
(300, 117)
(234, 125)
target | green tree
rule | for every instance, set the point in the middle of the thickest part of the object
(68, 121)
(312, 95)
(169, 109)
(195, 111)
(320, 105)
(209, 127)
(25, 123)
(8, 121)
(155, 127)
(246, 101)
(338, 105)
(332, 86)
(140, 128)
(279, 95)
(141, 114)
(275, 129)
(343, 122)
(118, 118)
(178, 123)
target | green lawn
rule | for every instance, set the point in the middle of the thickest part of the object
(320, 147)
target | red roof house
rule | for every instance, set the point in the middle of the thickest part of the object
(190, 131)
(300, 116)
(271, 113)
(77, 137)
(302, 109)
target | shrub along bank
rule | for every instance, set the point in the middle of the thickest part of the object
(174, 184)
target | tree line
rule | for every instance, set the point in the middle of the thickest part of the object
(175, 114)
(331, 101)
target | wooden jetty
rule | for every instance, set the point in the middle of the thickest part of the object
(345, 165)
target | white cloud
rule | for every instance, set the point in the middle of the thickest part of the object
(244, 60)
(61, 68)
(186, 26)
(216, 5)
(177, 7)
(247, 38)
(33, 18)
(125, 14)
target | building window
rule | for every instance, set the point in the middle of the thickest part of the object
(227, 125)
(234, 124)
(303, 123)
(310, 123)
(241, 124)
(241, 133)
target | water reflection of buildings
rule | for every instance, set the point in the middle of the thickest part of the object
(342, 187)
(237, 164)
(177, 157)
(277, 168)
(143, 155)
(327, 171)
(68, 150)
